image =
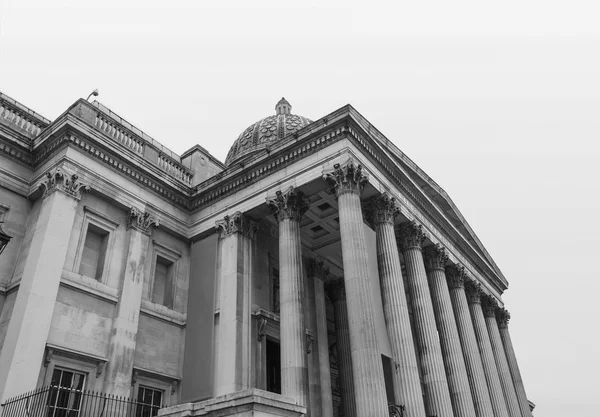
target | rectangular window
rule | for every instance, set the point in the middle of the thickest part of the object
(149, 401)
(94, 252)
(162, 289)
(66, 389)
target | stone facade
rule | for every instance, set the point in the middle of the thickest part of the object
(269, 285)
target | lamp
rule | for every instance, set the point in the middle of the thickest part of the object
(93, 93)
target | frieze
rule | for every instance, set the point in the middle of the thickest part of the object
(289, 204)
(58, 180)
(237, 223)
(410, 236)
(316, 269)
(435, 257)
(346, 178)
(381, 209)
(143, 222)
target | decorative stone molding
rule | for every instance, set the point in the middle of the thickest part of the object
(411, 236)
(336, 290)
(290, 204)
(381, 209)
(237, 223)
(316, 269)
(347, 178)
(435, 257)
(474, 292)
(52, 351)
(503, 317)
(144, 222)
(261, 323)
(489, 305)
(456, 276)
(57, 180)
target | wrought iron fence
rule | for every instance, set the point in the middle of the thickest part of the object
(67, 402)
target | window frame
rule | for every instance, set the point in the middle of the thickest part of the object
(54, 405)
(105, 223)
(173, 256)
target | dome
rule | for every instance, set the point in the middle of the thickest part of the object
(266, 132)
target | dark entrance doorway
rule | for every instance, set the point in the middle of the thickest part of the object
(273, 366)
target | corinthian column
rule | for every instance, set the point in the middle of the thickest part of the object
(485, 349)
(337, 294)
(371, 400)
(405, 372)
(479, 388)
(236, 234)
(121, 350)
(458, 381)
(29, 325)
(437, 396)
(503, 317)
(489, 310)
(288, 208)
(317, 273)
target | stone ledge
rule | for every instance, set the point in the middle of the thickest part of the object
(252, 402)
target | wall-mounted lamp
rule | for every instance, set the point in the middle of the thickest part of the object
(93, 93)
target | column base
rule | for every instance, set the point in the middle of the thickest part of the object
(248, 403)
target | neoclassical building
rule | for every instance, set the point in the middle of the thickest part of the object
(318, 271)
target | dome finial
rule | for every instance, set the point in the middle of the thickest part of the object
(283, 107)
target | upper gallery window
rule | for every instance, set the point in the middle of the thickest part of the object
(163, 282)
(93, 255)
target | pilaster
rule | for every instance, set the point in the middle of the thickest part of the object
(236, 258)
(27, 332)
(456, 371)
(348, 182)
(125, 324)
(288, 208)
(437, 395)
(405, 372)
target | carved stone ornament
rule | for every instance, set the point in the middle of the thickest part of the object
(489, 305)
(58, 180)
(473, 290)
(143, 222)
(347, 178)
(309, 342)
(411, 236)
(455, 275)
(435, 257)
(316, 269)
(503, 317)
(290, 204)
(381, 209)
(237, 223)
(336, 290)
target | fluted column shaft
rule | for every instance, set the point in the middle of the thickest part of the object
(289, 206)
(487, 356)
(369, 383)
(437, 395)
(506, 381)
(512, 363)
(466, 332)
(337, 293)
(456, 371)
(405, 372)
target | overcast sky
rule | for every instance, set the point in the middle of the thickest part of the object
(499, 104)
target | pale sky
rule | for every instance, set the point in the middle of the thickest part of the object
(499, 104)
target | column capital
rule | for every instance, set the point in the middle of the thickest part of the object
(503, 317)
(489, 305)
(456, 276)
(473, 290)
(289, 204)
(381, 209)
(435, 257)
(144, 222)
(316, 269)
(411, 236)
(59, 180)
(346, 178)
(336, 290)
(236, 223)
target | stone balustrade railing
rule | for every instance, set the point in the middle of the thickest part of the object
(174, 168)
(18, 116)
(120, 135)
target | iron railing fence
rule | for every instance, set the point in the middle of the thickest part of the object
(54, 401)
